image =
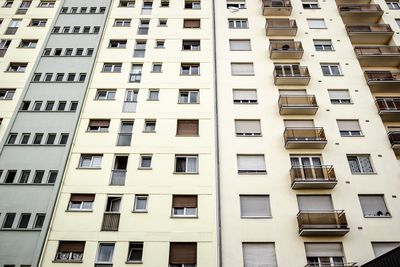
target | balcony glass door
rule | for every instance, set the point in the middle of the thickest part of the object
(287, 70)
(308, 167)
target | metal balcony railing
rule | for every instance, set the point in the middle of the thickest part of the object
(313, 173)
(110, 221)
(321, 219)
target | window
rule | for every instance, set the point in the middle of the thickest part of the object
(60, 77)
(393, 4)
(255, 206)
(182, 254)
(51, 137)
(251, 164)
(143, 27)
(17, 67)
(9, 220)
(188, 97)
(140, 203)
(187, 128)
(38, 139)
(39, 221)
(38, 22)
(191, 45)
(240, 45)
(7, 94)
(125, 133)
(310, 4)
(8, 3)
(145, 162)
(149, 126)
(184, 205)
(52, 177)
(24, 221)
(81, 202)
(236, 4)
(25, 138)
(49, 4)
(23, 179)
(339, 96)
(135, 252)
(259, 254)
(28, 43)
(360, 164)
(136, 73)
(332, 69)
(323, 45)
(117, 44)
(248, 127)
(98, 125)
(90, 161)
(130, 101)
(37, 179)
(63, 139)
(71, 77)
(105, 94)
(73, 106)
(10, 177)
(316, 23)
(48, 77)
(381, 248)
(242, 69)
(112, 67)
(160, 44)
(105, 253)
(373, 206)
(162, 22)
(13, 26)
(349, 128)
(25, 105)
(4, 44)
(122, 23)
(70, 251)
(153, 95)
(82, 77)
(157, 67)
(186, 164)
(237, 23)
(191, 23)
(245, 96)
(126, 3)
(119, 171)
(190, 69)
(192, 4)
(12, 138)
(324, 254)
(140, 48)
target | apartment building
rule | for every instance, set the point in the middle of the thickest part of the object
(199, 133)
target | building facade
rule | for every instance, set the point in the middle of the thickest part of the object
(199, 133)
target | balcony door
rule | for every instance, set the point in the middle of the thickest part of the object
(287, 70)
(308, 167)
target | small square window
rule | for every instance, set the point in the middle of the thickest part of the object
(153, 95)
(160, 44)
(149, 126)
(145, 161)
(157, 68)
(162, 22)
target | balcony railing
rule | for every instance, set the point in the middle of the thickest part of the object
(383, 81)
(378, 56)
(291, 75)
(322, 177)
(345, 264)
(388, 108)
(297, 104)
(322, 222)
(11, 30)
(285, 49)
(369, 34)
(3, 52)
(118, 177)
(394, 138)
(110, 221)
(276, 7)
(354, 13)
(281, 27)
(307, 137)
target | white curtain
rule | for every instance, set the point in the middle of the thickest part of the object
(191, 164)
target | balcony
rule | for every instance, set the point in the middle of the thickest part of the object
(394, 138)
(285, 49)
(354, 13)
(110, 221)
(291, 75)
(388, 109)
(383, 81)
(369, 34)
(297, 105)
(281, 27)
(118, 177)
(322, 223)
(307, 138)
(378, 56)
(313, 177)
(276, 7)
(11, 30)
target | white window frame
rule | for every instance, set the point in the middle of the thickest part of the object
(238, 23)
(138, 197)
(359, 163)
(330, 67)
(316, 26)
(189, 95)
(92, 161)
(187, 157)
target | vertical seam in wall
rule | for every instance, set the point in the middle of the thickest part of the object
(216, 133)
(75, 130)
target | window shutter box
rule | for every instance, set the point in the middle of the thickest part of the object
(184, 201)
(71, 246)
(348, 125)
(339, 94)
(242, 68)
(191, 23)
(82, 197)
(183, 253)
(247, 127)
(251, 163)
(99, 123)
(245, 95)
(188, 127)
(255, 206)
(239, 45)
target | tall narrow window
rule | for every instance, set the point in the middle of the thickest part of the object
(24, 220)
(130, 102)
(135, 252)
(125, 133)
(9, 220)
(105, 254)
(140, 48)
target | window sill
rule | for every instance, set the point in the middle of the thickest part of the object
(336, 75)
(19, 230)
(8, 71)
(95, 99)
(80, 56)
(47, 111)
(67, 261)
(34, 184)
(188, 103)
(256, 217)
(351, 103)
(382, 216)
(21, 47)
(144, 168)
(134, 262)
(181, 135)
(186, 173)
(248, 135)
(184, 217)
(2, 99)
(138, 211)
(364, 173)
(352, 135)
(252, 74)
(57, 82)
(67, 210)
(87, 168)
(96, 131)
(110, 71)
(48, 145)
(252, 173)
(189, 75)
(148, 131)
